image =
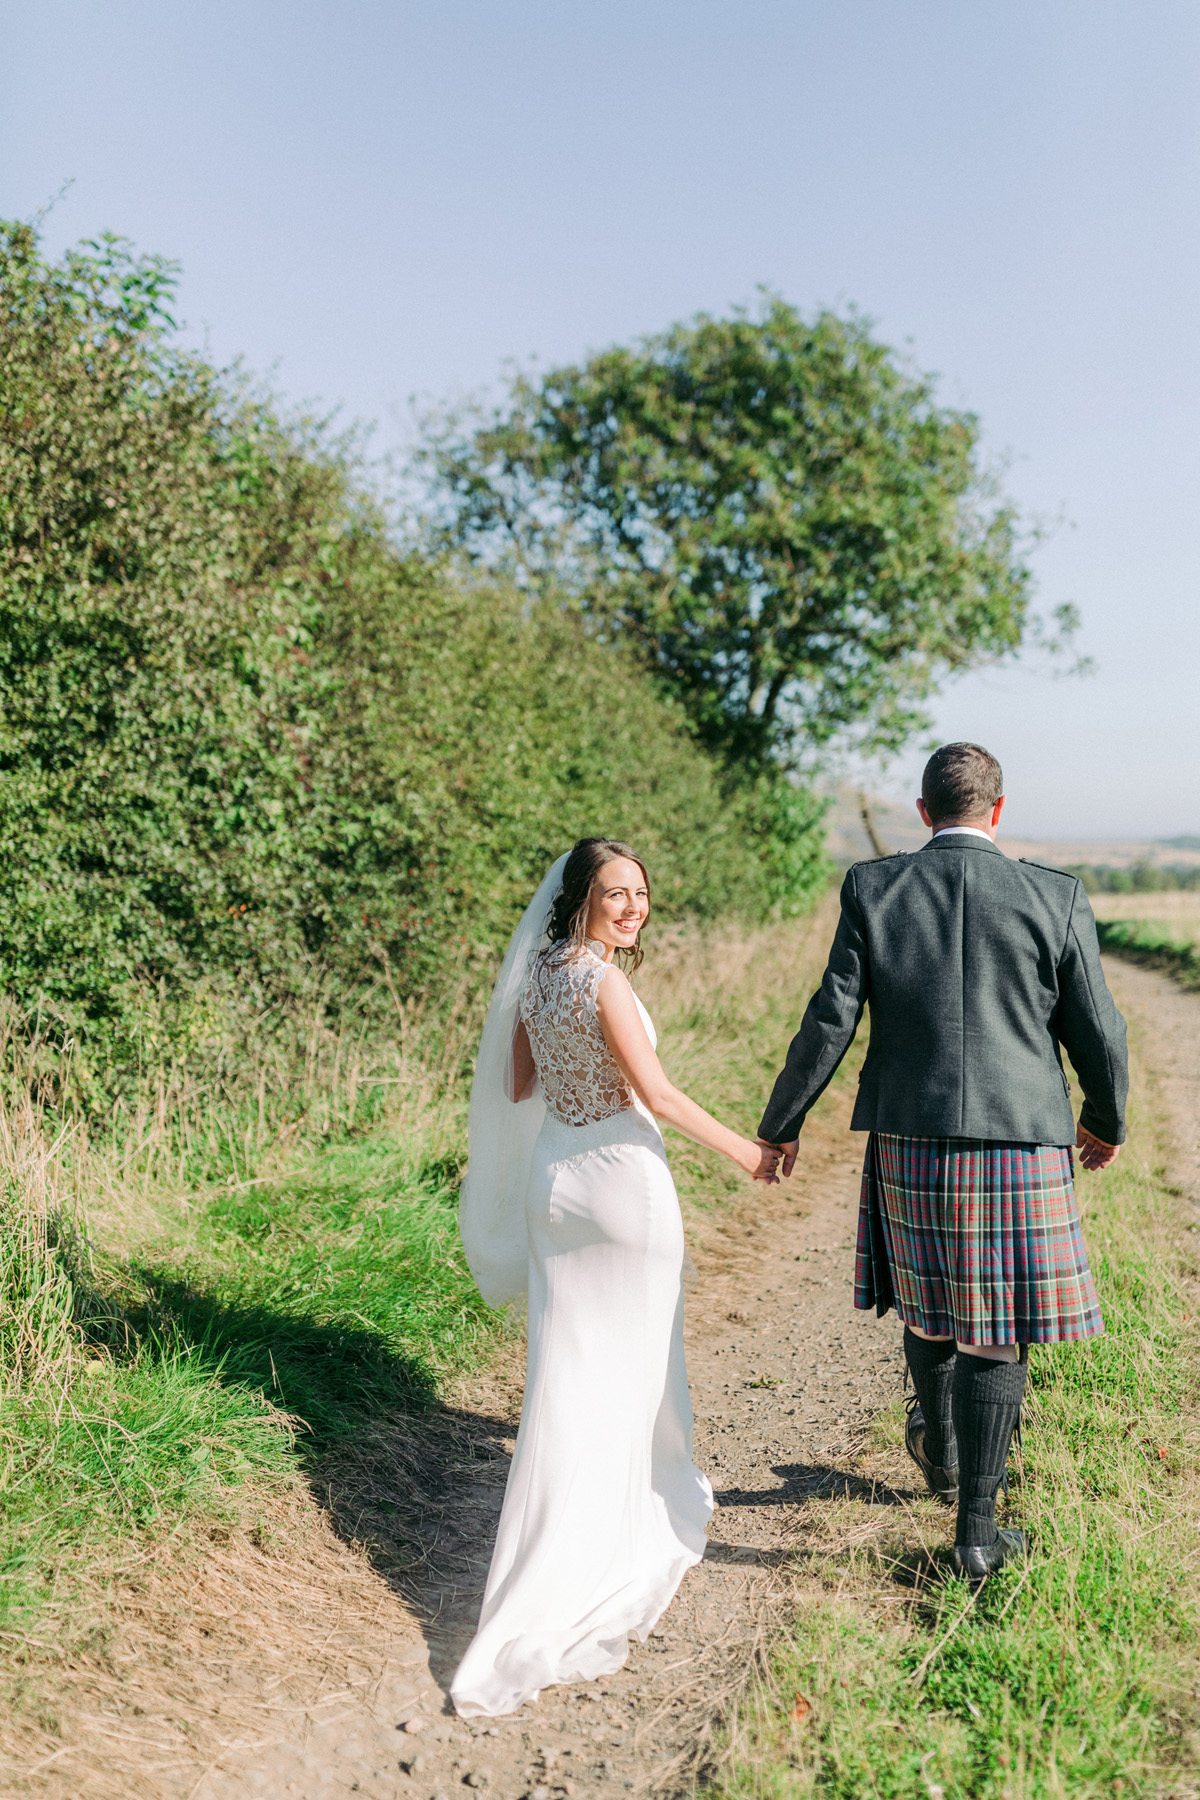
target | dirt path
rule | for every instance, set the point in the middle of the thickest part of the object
(786, 1379)
(1164, 1024)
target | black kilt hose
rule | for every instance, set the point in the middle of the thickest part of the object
(974, 1240)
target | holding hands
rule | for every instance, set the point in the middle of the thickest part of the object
(767, 1162)
(764, 1161)
(761, 1161)
(788, 1152)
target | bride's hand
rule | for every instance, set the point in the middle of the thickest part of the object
(760, 1161)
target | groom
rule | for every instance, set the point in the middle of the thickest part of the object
(979, 971)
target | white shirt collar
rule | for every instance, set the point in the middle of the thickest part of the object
(967, 830)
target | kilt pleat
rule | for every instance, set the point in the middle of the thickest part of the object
(975, 1240)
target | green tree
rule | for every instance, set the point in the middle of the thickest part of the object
(800, 542)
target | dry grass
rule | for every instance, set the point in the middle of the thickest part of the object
(1174, 911)
(164, 1553)
(208, 1640)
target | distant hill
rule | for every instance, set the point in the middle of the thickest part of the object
(900, 828)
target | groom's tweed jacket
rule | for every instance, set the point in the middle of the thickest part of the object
(976, 970)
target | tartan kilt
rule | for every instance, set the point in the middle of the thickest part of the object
(974, 1240)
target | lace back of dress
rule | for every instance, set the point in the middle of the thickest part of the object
(581, 1080)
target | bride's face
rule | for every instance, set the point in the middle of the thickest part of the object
(620, 902)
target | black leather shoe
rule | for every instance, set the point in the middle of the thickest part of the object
(978, 1561)
(942, 1483)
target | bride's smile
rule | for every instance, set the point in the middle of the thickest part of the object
(620, 905)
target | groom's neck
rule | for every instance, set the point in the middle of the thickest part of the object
(983, 823)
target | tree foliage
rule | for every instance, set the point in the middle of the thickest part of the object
(238, 731)
(798, 540)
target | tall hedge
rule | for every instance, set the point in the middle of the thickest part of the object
(239, 732)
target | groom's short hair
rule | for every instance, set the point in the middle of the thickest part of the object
(961, 781)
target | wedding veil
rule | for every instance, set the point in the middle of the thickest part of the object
(501, 1135)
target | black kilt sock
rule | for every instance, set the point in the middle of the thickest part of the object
(987, 1406)
(931, 1365)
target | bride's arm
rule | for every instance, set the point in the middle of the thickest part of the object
(626, 1037)
(522, 1071)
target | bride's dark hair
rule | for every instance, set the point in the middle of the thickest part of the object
(569, 914)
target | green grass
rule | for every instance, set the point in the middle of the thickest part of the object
(1153, 945)
(94, 1448)
(301, 1320)
(93, 1464)
(339, 1293)
(1065, 1677)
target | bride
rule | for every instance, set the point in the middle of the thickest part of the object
(568, 1197)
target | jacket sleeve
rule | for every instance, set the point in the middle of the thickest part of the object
(1089, 1027)
(827, 1029)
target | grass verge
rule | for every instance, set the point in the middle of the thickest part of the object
(207, 1302)
(1073, 1675)
(1155, 946)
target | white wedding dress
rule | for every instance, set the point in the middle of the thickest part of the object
(604, 1511)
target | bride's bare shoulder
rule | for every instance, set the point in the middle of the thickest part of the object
(614, 986)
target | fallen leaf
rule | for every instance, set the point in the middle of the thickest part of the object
(800, 1709)
(1162, 1453)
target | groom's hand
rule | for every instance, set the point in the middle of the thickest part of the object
(1094, 1153)
(789, 1152)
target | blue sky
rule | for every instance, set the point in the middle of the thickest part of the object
(373, 200)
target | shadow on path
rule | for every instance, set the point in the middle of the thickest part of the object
(819, 1481)
(415, 1484)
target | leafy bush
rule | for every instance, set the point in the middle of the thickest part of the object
(240, 733)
